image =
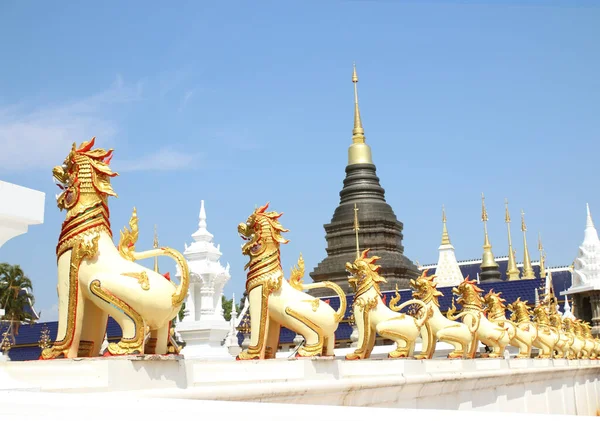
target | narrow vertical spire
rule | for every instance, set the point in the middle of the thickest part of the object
(445, 236)
(155, 245)
(542, 257)
(589, 222)
(513, 271)
(356, 228)
(537, 297)
(233, 309)
(489, 267)
(527, 268)
(358, 133)
(359, 152)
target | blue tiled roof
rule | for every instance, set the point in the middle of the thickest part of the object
(27, 341)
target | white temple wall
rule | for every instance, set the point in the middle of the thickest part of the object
(526, 386)
(19, 208)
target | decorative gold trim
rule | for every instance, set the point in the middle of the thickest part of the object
(142, 278)
(125, 345)
(253, 351)
(80, 251)
(129, 237)
(309, 350)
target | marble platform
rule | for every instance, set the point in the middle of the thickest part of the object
(491, 385)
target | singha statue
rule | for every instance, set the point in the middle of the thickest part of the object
(275, 302)
(95, 279)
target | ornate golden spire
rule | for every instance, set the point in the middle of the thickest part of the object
(155, 246)
(488, 261)
(445, 236)
(513, 270)
(359, 152)
(527, 269)
(358, 133)
(356, 228)
(542, 257)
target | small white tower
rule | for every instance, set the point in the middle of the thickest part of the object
(447, 272)
(203, 327)
(586, 271)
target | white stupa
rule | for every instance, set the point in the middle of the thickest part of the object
(204, 328)
(447, 272)
(568, 314)
(586, 270)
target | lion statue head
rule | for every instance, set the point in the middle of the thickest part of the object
(425, 288)
(364, 273)
(495, 303)
(469, 293)
(262, 232)
(84, 178)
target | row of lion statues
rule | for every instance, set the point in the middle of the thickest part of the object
(97, 279)
(481, 319)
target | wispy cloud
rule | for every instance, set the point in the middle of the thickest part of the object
(165, 159)
(32, 139)
(188, 95)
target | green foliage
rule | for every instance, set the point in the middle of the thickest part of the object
(227, 305)
(15, 294)
(181, 313)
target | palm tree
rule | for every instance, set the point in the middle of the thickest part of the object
(16, 297)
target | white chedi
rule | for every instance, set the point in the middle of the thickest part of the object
(203, 327)
(586, 270)
(447, 271)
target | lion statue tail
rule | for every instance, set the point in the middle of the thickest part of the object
(339, 314)
(297, 282)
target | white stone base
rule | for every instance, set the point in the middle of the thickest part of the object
(204, 339)
(494, 385)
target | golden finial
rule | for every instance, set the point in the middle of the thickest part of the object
(484, 218)
(356, 228)
(527, 268)
(359, 152)
(542, 257)
(358, 133)
(445, 236)
(488, 261)
(513, 270)
(155, 246)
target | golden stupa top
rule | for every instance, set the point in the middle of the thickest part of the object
(359, 152)
(512, 272)
(445, 236)
(528, 272)
(488, 260)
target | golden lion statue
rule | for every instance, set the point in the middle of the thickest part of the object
(95, 279)
(577, 342)
(274, 302)
(548, 335)
(521, 333)
(437, 327)
(371, 315)
(472, 303)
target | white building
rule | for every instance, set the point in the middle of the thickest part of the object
(204, 328)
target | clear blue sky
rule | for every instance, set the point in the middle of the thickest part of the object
(238, 103)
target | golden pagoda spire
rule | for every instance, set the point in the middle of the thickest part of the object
(445, 236)
(542, 257)
(356, 228)
(359, 152)
(527, 269)
(155, 245)
(358, 133)
(488, 263)
(513, 271)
